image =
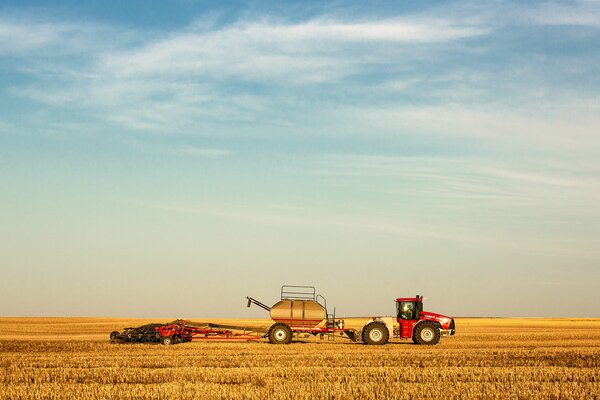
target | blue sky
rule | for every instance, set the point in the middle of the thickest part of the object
(374, 150)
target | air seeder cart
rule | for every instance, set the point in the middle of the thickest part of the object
(301, 311)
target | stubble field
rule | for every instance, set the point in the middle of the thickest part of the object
(67, 358)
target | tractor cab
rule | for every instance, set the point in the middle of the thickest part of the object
(409, 308)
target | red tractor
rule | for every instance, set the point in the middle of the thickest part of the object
(423, 327)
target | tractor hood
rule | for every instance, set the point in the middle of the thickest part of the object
(444, 320)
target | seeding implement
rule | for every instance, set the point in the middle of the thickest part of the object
(180, 331)
(302, 312)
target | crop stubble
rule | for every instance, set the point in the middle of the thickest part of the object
(64, 358)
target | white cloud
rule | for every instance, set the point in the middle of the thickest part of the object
(539, 187)
(320, 219)
(195, 151)
(581, 13)
(186, 150)
(22, 38)
(194, 81)
(302, 52)
(31, 36)
(179, 83)
(571, 124)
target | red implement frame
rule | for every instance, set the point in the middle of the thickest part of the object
(185, 333)
(316, 330)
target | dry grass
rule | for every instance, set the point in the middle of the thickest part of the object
(488, 358)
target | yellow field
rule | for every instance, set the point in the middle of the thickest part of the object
(488, 358)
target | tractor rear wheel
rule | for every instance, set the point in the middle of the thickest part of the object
(426, 333)
(280, 333)
(113, 336)
(375, 333)
(167, 340)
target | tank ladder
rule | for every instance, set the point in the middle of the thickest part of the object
(330, 323)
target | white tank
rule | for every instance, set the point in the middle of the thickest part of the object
(303, 313)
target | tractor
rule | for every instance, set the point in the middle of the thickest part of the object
(423, 327)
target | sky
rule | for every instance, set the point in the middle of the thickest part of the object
(168, 159)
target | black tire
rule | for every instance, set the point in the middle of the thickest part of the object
(375, 333)
(113, 336)
(167, 340)
(427, 333)
(279, 333)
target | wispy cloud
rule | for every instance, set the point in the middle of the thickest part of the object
(158, 147)
(536, 188)
(578, 13)
(194, 151)
(571, 124)
(186, 76)
(17, 38)
(288, 215)
(302, 52)
(29, 35)
(321, 219)
(348, 76)
(182, 82)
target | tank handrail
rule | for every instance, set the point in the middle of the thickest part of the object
(295, 292)
(324, 304)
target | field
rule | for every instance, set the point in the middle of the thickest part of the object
(66, 358)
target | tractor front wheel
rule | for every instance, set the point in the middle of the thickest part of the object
(426, 333)
(280, 333)
(375, 333)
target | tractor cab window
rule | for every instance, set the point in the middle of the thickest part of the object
(406, 310)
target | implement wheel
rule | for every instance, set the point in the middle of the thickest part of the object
(113, 336)
(426, 333)
(279, 333)
(167, 340)
(375, 333)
